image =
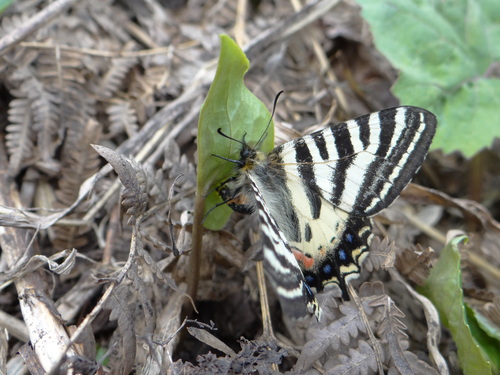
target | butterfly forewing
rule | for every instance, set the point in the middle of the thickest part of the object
(362, 165)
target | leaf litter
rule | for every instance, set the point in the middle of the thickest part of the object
(130, 79)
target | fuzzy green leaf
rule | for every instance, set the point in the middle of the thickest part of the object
(443, 52)
(233, 108)
(444, 288)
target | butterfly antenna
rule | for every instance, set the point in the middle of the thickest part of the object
(264, 135)
(231, 138)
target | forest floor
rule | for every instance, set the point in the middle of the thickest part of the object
(78, 267)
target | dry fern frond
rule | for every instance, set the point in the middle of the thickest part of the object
(326, 340)
(134, 180)
(79, 161)
(329, 345)
(19, 138)
(44, 115)
(361, 360)
(175, 165)
(113, 78)
(123, 341)
(145, 86)
(392, 331)
(254, 357)
(53, 86)
(122, 118)
(381, 255)
(414, 264)
(111, 19)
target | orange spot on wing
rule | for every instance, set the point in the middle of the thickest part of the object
(307, 261)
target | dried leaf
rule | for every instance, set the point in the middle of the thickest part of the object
(124, 339)
(211, 340)
(133, 178)
(415, 264)
(122, 117)
(20, 135)
(329, 339)
(360, 361)
(113, 78)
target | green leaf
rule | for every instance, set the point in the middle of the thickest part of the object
(488, 326)
(4, 4)
(487, 342)
(443, 52)
(444, 288)
(233, 108)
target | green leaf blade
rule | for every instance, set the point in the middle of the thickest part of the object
(231, 107)
(483, 335)
(443, 54)
(444, 288)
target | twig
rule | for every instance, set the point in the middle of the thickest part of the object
(424, 227)
(374, 342)
(99, 53)
(40, 19)
(267, 327)
(14, 326)
(239, 26)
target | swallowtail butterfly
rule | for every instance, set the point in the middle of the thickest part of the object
(315, 195)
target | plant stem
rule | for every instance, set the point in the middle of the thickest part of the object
(195, 256)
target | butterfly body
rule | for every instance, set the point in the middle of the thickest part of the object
(315, 196)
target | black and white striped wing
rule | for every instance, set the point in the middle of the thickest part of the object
(335, 179)
(282, 268)
(361, 165)
(315, 194)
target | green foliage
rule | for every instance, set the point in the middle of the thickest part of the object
(444, 288)
(444, 51)
(486, 336)
(4, 4)
(233, 108)
(101, 355)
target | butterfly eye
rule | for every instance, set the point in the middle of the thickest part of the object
(245, 152)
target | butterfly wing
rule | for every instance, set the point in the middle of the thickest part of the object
(362, 165)
(284, 271)
(335, 178)
(321, 190)
(331, 248)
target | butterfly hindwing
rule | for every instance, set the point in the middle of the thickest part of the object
(282, 267)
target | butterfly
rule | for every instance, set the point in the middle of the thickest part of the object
(314, 197)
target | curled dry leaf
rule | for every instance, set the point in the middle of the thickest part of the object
(133, 178)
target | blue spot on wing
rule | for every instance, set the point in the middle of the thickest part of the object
(310, 279)
(348, 237)
(342, 255)
(327, 269)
